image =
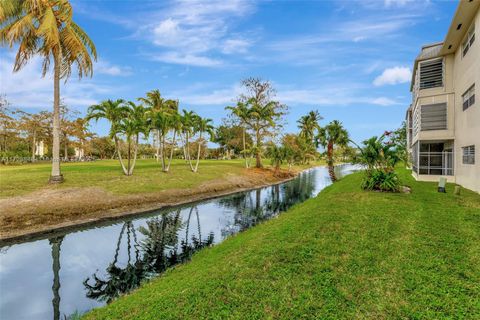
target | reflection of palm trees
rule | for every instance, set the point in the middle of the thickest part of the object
(119, 280)
(251, 209)
(56, 244)
(159, 251)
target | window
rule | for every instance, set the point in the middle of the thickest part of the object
(468, 97)
(468, 155)
(468, 40)
(433, 117)
(431, 74)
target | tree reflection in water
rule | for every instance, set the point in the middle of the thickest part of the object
(159, 250)
(251, 209)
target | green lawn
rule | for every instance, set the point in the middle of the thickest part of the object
(107, 174)
(346, 254)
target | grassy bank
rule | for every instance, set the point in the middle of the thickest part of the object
(107, 174)
(346, 254)
(98, 190)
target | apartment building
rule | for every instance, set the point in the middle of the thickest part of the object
(443, 120)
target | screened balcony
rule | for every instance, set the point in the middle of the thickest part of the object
(433, 158)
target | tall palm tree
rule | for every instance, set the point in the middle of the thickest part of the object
(113, 111)
(46, 28)
(242, 112)
(333, 134)
(202, 125)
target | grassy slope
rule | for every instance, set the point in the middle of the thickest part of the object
(347, 254)
(107, 174)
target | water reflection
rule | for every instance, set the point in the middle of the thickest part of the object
(159, 250)
(85, 269)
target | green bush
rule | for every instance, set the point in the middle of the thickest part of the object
(381, 180)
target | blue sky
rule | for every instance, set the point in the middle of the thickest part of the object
(350, 60)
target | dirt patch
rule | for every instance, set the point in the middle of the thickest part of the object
(50, 209)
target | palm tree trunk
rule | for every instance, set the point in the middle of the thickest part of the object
(244, 148)
(331, 167)
(56, 175)
(129, 140)
(163, 153)
(117, 146)
(198, 152)
(65, 149)
(157, 154)
(188, 152)
(135, 149)
(171, 151)
(34, 145)
(56, 246)
(257, 153)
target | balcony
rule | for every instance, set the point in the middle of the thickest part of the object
(433, 158)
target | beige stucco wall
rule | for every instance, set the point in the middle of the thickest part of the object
(438, 95)
(467, 123)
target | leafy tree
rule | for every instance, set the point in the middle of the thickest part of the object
(35, 126)
(264, 115)
(46, 28)
(330, 136)
(398, 138)
(233, 138)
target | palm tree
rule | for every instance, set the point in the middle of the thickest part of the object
(242, 112)
(187, 123)
(46, 28)
(261, 117)
(113, 111)
(334, 134)
(131, 127)
(308, 124)
(155, 103)
(202, 125)
(176, 126)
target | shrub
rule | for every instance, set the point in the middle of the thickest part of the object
(381, 180)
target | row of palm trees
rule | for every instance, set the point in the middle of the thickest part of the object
(157, 117)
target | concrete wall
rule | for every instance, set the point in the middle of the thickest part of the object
(467, 123)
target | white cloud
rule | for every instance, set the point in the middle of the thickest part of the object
(329, 95)
(194, 30)
(382, 101)
(235, 46)
(393, 75)
(104, 67)
(399, 3)
(187, 59)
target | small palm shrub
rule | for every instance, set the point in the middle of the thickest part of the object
(379, 158)
(381, 180)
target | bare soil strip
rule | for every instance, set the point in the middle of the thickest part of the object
(48, 211)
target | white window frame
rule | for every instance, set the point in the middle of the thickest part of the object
(468, 154)
(469, 40)
(468, 98)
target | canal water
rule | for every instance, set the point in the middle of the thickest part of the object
(74, 272)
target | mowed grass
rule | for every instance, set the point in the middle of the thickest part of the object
(347, 254)
(107, 174)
